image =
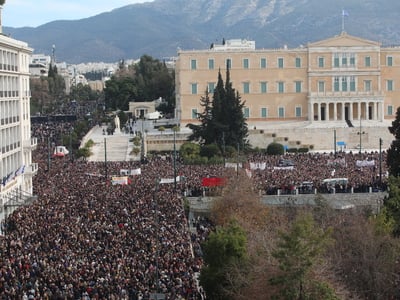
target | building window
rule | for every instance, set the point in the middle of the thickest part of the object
(228, 63)
(352, 60)
(281, 87)
(246, 87)
(352, 84)
(194, 88)
(389, 85)
(211, 87)
(298, 86)
(336, 87)
(367, 85)
(367, 61)
(264, 112)
(390, 110)
(298, 111)
(281, 112)
(263, 63)
(321, 86)
(193, 64)
(246, 112)
(336, 60)
(389, 61)
(344, 60)
(263, 87)
(344, 84)
(245, 63)
(195, 115)
(321, 62)
(211, 64)
(298, 62)
(280, 62)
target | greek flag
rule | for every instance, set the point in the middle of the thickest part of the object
(345, 13)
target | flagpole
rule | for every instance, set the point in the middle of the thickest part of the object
(342, 20)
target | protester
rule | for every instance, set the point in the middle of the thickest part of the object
(85, 238)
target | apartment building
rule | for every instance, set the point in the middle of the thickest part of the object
(16, 167)
(343, 78)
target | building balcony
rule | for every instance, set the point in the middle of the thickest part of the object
(341, 94)
(30, 144)
(31, 170)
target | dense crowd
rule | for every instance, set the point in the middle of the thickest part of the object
(85, 238)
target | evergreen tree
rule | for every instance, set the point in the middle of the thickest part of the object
(393, 154)
(297, 252)
(204, 132)
(225, 124)
(225, 247)
(392, 204)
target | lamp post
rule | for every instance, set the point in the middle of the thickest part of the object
(105, 158)
(174, 129)
(70, 144)
(360, 133)
(334, 141)
(48, 153)
(380, 162)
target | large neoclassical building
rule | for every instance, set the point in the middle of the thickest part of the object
(343, 78)
(16, 167)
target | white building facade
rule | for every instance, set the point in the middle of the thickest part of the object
(16, 143)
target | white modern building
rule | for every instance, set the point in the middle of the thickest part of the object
(16, 143)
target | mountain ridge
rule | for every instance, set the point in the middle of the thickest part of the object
(159, 28)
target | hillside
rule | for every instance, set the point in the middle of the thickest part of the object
(159, 28)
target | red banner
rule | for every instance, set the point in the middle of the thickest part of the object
(213, 181)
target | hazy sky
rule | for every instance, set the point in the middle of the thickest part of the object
(20, 13)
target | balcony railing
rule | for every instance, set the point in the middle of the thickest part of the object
(30, 144)
(370, 94)
(32, 169)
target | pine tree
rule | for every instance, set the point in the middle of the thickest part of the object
(223, 123)
(204, 133)
(393, 155)
(298, 251)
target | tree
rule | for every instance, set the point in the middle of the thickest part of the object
(222, 122)
(298, 251)
(392, 204)
(148, 80)
(204, 132)
(365, 256)
(161, 129)
(393, 153)
(224, 247)
(189, 151)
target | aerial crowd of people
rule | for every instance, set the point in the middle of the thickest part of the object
(86, 238)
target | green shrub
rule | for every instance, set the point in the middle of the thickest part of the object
(210, 150)
(302, 150)
(275, 149)
(230, 151)
(292, 150)
(89, 144)
(135, 151)
(215, 160)
(189, 150)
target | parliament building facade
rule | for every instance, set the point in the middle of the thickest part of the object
(341, 79)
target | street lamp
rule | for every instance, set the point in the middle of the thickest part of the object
(360, 133)
(70, 144)
(174, 129)
(380, 161)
